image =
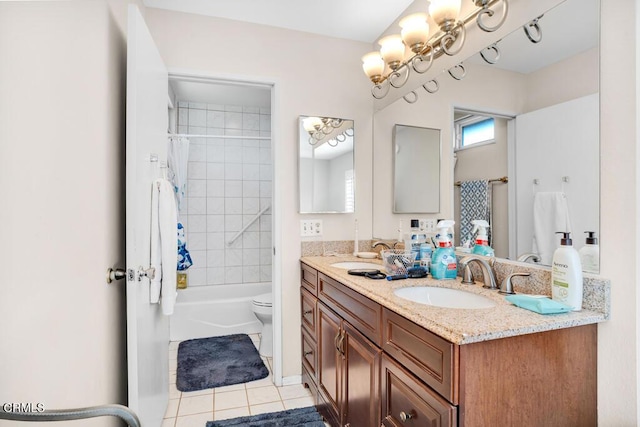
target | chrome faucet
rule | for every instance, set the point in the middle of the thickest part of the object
(507, 286)
(385, 244)
(488, 276)
(380, 243)
(528, 256)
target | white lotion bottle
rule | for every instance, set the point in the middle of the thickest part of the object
(590, 254)
(566, 274)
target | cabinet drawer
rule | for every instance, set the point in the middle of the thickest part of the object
(364, 314)
(309, 354)
(408, 402)
(309, 279)
(309, 313)
(308, 381)
(432, 359)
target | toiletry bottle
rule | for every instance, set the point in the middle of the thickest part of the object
(426, 252)
(590, 254)
(566, 274)
(482, 239)
(414, 239)
(444, 264)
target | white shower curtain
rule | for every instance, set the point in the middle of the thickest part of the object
(178, 158)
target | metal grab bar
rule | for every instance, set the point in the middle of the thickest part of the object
(120, 411)
(239, 233)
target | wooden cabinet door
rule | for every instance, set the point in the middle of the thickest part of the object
(329, 362)
(406, 401)
(361, 402)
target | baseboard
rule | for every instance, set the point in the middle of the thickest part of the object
(294, 379)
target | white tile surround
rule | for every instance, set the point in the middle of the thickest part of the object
(229, 182)
(252, 398)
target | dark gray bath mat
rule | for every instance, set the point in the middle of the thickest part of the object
(218, 361)
(307, 417)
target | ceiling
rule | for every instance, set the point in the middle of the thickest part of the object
(361, 20)
(568, 29)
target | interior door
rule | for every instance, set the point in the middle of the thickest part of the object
(147, 119)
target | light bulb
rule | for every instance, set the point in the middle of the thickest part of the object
(392, 50)
(373, 65)
(415, 31)
(444, 12)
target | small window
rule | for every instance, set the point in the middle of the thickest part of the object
(474, 130)
(349, 202)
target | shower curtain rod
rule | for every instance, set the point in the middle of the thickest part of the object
(503, 179)
(189, 135)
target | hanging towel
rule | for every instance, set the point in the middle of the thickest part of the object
(184, 257)
(550, 214)
(177, 159)
(475, 203)
(164, 245)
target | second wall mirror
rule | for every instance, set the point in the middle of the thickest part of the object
(326, 165)
(416, 163)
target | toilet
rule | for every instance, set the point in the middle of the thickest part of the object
(262, 308)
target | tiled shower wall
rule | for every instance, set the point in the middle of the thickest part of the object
(229, 182)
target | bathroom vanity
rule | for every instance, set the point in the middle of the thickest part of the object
(371, 358)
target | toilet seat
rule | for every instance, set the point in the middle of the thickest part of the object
(263, 300)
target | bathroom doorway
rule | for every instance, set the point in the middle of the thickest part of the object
(229, 209)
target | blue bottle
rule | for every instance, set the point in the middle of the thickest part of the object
(444, 264)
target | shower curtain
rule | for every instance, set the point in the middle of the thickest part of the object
(178, 157)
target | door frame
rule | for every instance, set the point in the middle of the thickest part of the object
(276, 197)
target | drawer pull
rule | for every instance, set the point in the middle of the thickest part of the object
(308, 353)
(307, 312)
(406, 416)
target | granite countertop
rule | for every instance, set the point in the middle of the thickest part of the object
(460, 326)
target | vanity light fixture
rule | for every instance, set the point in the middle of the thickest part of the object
(448, 39)
(325, 129)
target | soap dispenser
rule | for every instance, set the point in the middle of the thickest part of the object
(482, 239)
(590, 254)
(566, 274)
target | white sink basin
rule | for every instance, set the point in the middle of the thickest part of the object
(352, 265)
(444, 297)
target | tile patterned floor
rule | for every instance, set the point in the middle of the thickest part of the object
(194, 409)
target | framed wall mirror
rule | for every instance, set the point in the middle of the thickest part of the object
(326, 175)
(416, 169)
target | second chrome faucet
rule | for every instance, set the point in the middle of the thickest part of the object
(488, 276)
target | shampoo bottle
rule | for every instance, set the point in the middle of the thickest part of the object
(444, 264)
(566, 274)
(482, 239)
(590, 254)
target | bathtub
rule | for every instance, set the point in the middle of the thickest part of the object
(215, 310)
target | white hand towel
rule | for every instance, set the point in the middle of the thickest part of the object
(156, 249)
(164, 245)
(550, 215)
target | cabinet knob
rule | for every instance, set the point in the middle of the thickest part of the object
(307, 312)
(406, 416)
(308, 353)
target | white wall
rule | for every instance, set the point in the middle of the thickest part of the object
(618, 337)
(62, 222)
(313, 75)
